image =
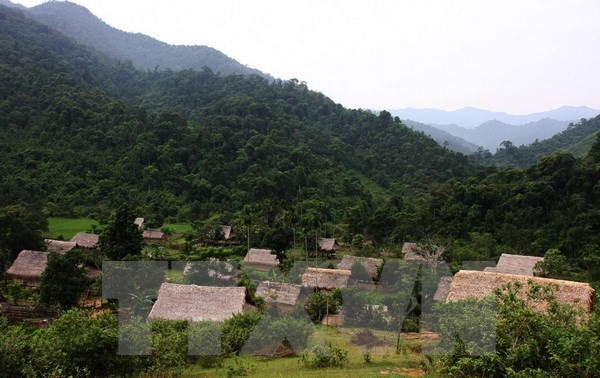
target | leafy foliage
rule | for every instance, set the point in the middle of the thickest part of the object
(63, 280)
(121, 237)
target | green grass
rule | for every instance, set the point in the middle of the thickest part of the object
(385, 362)
(68, 227)
(179, 228)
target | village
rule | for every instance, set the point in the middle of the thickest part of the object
(333, 287)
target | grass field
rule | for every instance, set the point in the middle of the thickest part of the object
(385, 362)
(179, 228)
(68, 227)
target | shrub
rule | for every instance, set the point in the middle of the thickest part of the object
(273, 332)
(319, 304)
(322, 357)
(237, 330)
(205, 343)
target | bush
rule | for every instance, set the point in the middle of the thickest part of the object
(322, 357)
(237, 330)
(319, 304)
(273, 332)
(205, 343)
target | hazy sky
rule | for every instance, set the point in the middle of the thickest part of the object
(517, 56)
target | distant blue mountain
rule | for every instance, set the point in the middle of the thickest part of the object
(472, 117)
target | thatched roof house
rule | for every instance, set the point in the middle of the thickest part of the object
(443, 289)
(325, 278)
(278, 292)
(476, 284)
(515, 264)
(227, 232)
(263, 259)
(28, 267)
(198, 303)
(328, 245)
(370, 264)
(85, 240)
(59, 246)
(153, 234)
(408, 251)
(139, 222)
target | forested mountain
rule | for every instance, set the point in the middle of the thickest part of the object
(472, 117)
(81, 133)
(577, 139)
(490, 134)
(145, 52)
(553, 204)
(444, 138)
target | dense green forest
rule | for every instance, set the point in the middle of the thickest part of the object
(577, 139)
(82, 133)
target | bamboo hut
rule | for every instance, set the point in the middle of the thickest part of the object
(328, 245)
(28, 267)
(371, 265)
(476, 284)
(262, 259)
(199, 303)
(140, 222)
(59, 246)
(327, 279)
(153, 234)
(515, 264)
(85, 240)
(278, 292)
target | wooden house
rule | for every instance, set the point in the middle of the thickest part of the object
(199, 303)
(262, 259)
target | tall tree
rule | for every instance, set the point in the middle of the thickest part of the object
(20, 228)
(64, 280)
(121, 237)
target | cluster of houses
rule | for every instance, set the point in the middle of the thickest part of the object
(29, 265)
(219, 302)
(195, 303)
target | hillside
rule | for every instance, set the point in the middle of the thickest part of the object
(81, 133)
(490, 134)
(577, 139)
(145, 52)
(444, 138)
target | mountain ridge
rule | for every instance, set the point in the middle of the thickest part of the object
(81, 25)
(470, 117)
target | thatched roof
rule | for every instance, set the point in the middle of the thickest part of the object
(85, 240)
(325, 278)
(279, 292)
(139, 222)
(409, 254)
(198, 303)
(475, 284)
(515, 264)
(443, 289)
(328, 245)
(370, 264)
(29, 266)
(153, 234)
(227, 232)
(59, 246)
(261, 258)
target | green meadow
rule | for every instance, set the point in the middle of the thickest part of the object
(68, 227)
